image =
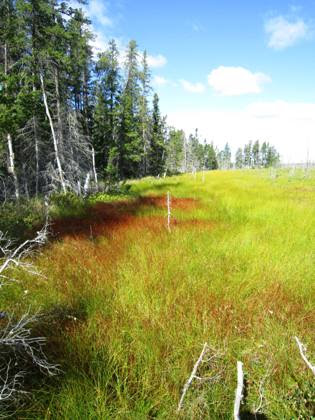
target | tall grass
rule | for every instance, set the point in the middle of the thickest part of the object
(131, 304)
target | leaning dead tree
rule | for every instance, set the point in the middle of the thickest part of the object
(20, 351)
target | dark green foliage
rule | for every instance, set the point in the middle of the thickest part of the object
(94, 108)
(157, 143)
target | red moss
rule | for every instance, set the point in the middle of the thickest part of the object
(104, 219)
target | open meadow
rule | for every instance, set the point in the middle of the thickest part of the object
(129, 304)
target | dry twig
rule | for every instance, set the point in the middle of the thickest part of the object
(192, 376)
(302, 349)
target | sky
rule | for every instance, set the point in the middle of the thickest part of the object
(236, 70)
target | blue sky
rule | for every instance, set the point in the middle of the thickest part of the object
(237, 70)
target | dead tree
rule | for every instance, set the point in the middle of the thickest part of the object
(20, 352)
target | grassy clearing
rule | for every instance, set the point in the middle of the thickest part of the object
(131, 304)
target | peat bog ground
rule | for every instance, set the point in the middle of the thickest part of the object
(131, 304)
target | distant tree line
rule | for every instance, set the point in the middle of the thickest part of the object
(189, 155)
(69, 119)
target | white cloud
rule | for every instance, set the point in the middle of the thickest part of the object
(156, 61)
(233, 81)
(192, 87)
(160, 80)
(289, 126)
(96, 10)
(99, 43)
(283, 34)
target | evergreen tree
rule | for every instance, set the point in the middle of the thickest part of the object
(248, 155)
(256, 154)
(106, 112)
(264, 152)
(273, 156)
(211, 161)
(131, 150)
(175, 151)
(144, 77)
(239, 158)
(157, 143)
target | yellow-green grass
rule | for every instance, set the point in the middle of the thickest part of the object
(132, 304)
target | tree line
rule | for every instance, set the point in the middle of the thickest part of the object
(69, 119)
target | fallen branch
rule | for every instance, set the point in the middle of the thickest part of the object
(239, 390)
(15, 257)
(302, 349)
(192, 377)
(261, 392)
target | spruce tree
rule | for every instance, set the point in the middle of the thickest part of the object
(130, 144)
(106, 113)
(157, 143)
(256, 154)
(239, 158)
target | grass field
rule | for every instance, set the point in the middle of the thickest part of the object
(132, 304)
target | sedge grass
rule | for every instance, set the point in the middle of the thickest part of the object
(136, 303)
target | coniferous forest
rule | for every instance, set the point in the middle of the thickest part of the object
(71, 118)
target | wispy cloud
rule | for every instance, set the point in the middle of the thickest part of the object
(234, 81)
(160, 81)
(192, 87)
(96, 10)
(283, 33)
(197, 27)
(155, 61)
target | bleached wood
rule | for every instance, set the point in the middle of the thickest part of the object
(55, 141)
(239, 390)
(94, 168)
(302, 350)
(168, 212)
(87, 183)
(192, 376)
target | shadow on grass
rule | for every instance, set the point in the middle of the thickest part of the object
(102, 219)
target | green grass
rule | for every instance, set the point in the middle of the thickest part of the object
(236, 271)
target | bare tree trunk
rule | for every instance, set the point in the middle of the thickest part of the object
(58, 108)
(61, 177)
(11, 163)
(11, 167)
(94, 168)
(36, 143)
(86, 116)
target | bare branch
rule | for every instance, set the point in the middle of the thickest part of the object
(302, 350)
(15, 257)
(192, 376)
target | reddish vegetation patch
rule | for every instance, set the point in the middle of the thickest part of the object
(176, 203)
(104, 219)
